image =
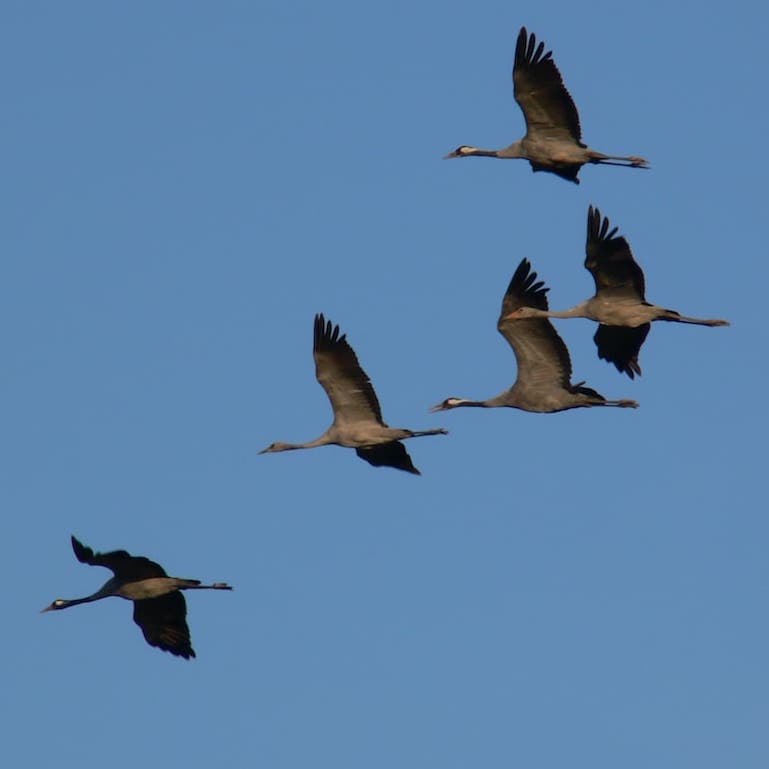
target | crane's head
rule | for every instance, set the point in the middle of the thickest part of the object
(523, 312)
(449, 403)
(59, 603)
(461, 152)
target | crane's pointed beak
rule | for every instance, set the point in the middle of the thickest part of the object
(47, 608)
(454, 154)
(436, 408)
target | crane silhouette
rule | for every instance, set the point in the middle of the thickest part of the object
(358, 422)
(619, 304)
(543, 383)
(553, 140)
(159, 608)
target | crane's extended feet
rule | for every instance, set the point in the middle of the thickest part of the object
(623, 403)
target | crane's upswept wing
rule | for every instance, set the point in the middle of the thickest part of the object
(124, 566)
(388, 455)
(163, 622)
(539, 90)
(337, 369)
(610, 260)
(542, 357)
(621, 345)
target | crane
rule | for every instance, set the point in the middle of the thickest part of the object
(159, 607)
(619, 304)
(543, 383)
(553, 140)
(358, 422)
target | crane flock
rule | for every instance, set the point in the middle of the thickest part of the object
(552, 143)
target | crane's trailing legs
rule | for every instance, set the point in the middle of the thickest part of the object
(420, 433)
(624, 160)
(675, 317)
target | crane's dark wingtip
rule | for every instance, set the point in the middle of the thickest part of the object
(325, 332)
(83, 553)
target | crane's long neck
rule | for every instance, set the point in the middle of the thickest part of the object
(578, 311)
(481, 153)
(323, 440)
(67, 602)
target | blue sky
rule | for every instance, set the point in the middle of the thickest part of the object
(186, 185)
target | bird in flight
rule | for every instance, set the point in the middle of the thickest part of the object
(619, 304)
(159, 607)
(553, 140)
(358, 422)
(543, 383)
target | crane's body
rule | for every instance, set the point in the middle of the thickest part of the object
(159, 608)
(553, 140)
(358, 422)
(543, 384)
(619, 304)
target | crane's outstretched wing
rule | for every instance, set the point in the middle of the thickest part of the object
(541, 354)
(337, 369)
(610, 260)
(124, 566)
(388, 455)
(163, 622)
(539, 90)
(621, 345)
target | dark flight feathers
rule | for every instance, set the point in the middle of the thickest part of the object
(388, 455)
(539, 350)
(621, 345)
(337, 369)
(163, 619)
(547, 106)
(610, 260)
(163, 623)
(126, 567)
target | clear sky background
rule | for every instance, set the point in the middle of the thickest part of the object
(185, 185)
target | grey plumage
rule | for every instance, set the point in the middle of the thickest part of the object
(619, 304)
(358, 422)
(553, 140)
(543, 383)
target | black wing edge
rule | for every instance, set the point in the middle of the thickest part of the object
(598, 227)
(392, 454)
(163, 622)
(527, 52)
(85, 554)
(526, 289)
(326, 334)
(621, 345)
(580, 388)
